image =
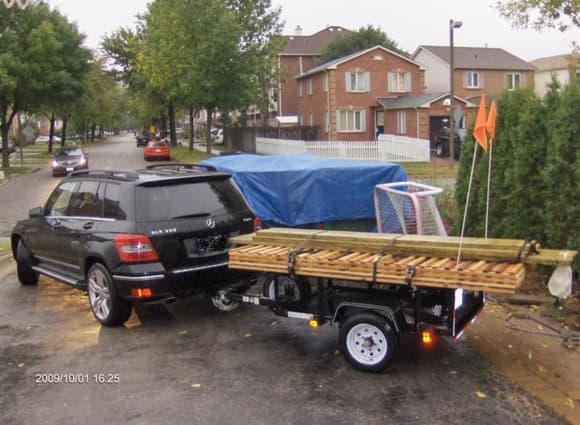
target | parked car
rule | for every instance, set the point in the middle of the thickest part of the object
(68, 159)
(142, 140)
(11, 146)
(157, 149)
(217, 135)
(45, 139)
(129, 237)
(442, 143)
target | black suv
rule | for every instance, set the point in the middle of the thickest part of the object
(442, 143)
(136, 236)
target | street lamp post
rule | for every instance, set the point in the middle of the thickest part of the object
(452, 25)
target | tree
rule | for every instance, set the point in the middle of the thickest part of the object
(38, 50)
(351, 42)
(209, 54)
(562, 172)
(541, 14)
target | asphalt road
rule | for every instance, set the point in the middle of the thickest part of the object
(186, 363)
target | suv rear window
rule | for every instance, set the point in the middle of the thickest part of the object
(204, 198)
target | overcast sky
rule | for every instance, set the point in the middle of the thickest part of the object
(409, 22)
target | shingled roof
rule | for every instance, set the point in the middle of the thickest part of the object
(311, 45)
(556, 62)
(480, 58)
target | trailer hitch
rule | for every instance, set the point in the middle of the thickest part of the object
(567, 337)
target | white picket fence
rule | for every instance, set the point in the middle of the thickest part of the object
(388, 148)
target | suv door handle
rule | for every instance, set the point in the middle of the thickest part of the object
(88, 225)
(55, 223)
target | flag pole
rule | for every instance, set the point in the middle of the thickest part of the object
(488, 187)
(467, 198)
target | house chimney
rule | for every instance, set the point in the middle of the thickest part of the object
(298, 30)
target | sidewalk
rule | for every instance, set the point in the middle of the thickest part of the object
(544, 366)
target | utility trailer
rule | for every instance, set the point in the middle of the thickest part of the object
(371, 318)
(377, 287)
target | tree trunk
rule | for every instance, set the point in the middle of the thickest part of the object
(209, 110)
(191, 128)
(93, 132)
(171, 116)
(63, 139)
(51, 133)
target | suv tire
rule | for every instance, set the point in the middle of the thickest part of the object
(26, 275)
(107, 307)
(440, 150)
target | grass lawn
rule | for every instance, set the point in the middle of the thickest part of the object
(429, 169)
(15, 170)
(183, 154)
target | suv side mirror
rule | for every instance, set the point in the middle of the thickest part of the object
(35, 212)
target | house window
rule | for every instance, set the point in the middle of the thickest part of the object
(402, 122)
(513, 80)
(310, 86)
(350, 121)
(311, 119)
(326, 121)
(472, 80)
(300, 88)
(399, 82)
(357, 81)
(325, 82)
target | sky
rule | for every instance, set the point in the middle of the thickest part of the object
(409, 23)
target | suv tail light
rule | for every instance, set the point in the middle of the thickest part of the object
(257, 223)
(135, 248)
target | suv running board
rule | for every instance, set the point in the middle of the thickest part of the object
(60, 277)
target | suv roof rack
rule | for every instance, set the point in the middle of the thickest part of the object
(110, 174)
(177, 166)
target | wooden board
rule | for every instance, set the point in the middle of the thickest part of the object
(502, 277)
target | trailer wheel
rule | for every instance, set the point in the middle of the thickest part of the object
(367, 342)
(299, 286)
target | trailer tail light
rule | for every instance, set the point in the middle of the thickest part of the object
(141, 292)
(428, 338)
(257, 223)
(314, 323)
(135, 248)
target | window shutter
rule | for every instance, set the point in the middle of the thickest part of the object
(408, 81)
(367, 81)
(363, 120)
(480, 79)
(338, 123)
(347, 81)
(390, 83)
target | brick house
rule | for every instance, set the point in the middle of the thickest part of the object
(563, 67)
(299, 55)
(364, 94)
(477, 70)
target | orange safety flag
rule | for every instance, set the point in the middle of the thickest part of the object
(490, 125)
(479, 131)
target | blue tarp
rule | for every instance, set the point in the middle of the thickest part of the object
(294, 190)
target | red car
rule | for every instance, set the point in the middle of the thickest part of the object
(157, 149)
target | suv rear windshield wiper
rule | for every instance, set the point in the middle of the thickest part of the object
(191, 215)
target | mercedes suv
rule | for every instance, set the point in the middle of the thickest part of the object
(128, 237)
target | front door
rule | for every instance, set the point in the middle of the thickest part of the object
(379, 122)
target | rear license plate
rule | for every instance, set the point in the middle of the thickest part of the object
(206, 245)
(69, 169)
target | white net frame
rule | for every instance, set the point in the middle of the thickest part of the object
(22, 4)
(408, 208)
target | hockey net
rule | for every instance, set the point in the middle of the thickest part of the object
(408, 208)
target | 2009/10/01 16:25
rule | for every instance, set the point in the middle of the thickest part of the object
(76, 378)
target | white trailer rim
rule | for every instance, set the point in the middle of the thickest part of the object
(366, 344)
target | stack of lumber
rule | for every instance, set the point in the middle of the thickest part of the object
(494, 265)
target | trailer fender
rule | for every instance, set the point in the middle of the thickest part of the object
(394, 316)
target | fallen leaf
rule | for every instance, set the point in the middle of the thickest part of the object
(540, 327)
(542, 369)
(570, 403)
(20, 364)
(480, 394)
(196, 385)
(530, 355)
(533, 307)
(510, 346)
(336, 352)
(248, 335)
(183, 381)
(182, 332)
(544, 346)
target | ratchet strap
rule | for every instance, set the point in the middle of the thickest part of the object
(294, 252)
